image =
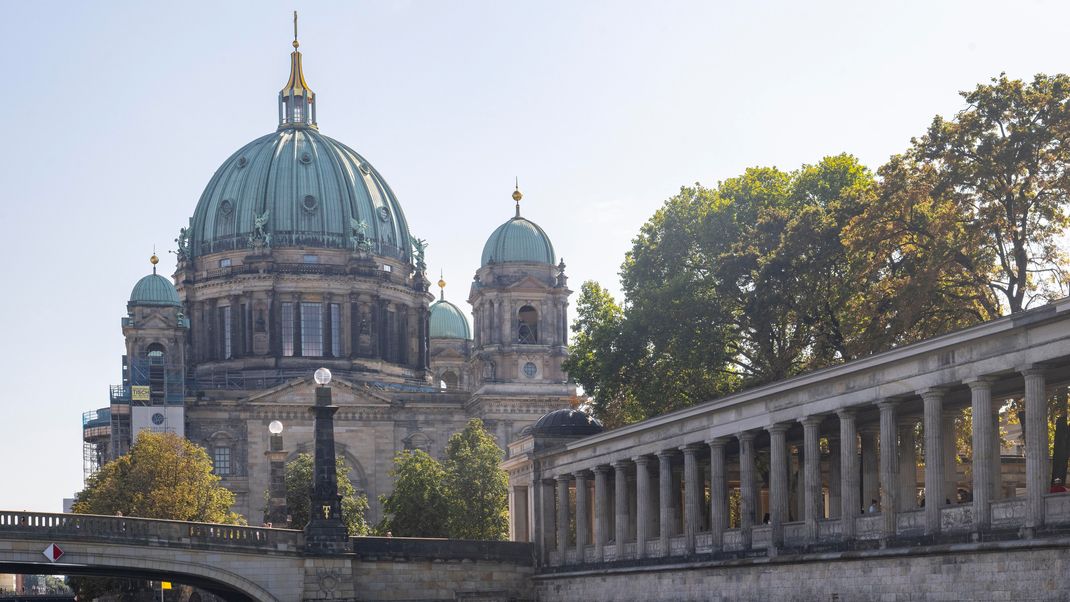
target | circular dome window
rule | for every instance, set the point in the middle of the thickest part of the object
(530, 370)
(242, 162)
(384, 214)
(226, 207)
(306, 158)
(364, 169)
(309, 203)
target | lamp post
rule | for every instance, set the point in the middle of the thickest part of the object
(326, 532)
(276, 455)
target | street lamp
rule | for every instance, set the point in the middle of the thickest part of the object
(275, 428)
(322, 377)
(325, 532)
(276, 456)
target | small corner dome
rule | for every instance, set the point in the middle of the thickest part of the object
(518, 240)
(567, 423)
(448, 322)
(154, 289)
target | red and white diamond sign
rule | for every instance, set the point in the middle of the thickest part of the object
(52, 552)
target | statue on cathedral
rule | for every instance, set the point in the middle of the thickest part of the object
(260, 237)
(359, 237)
(183, 244)
(419, 246)
(562, 279)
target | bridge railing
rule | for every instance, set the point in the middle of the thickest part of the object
(120, 529)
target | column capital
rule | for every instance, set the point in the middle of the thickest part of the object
(745, 435)
(814, 420)
(979, 382)
(718, 442)
(932, 393)
(622, 465)
(690, 448)
(642, 460)
(889, 404)
(779, 427)
(1031, 370)
(667, 453)
(581, 474)
(563, 478)
(601, 469)
(847, 413)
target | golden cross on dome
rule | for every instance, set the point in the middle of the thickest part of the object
(296, 44)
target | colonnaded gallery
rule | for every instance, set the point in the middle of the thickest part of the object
(298, 255)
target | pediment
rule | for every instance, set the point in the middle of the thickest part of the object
(528, 283)
(155, 321)
(302, 391)
(448, 354)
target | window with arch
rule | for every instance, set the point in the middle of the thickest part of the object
(157, 373)
(449, 378)
(527, 332)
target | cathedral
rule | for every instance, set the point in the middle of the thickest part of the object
(298, 256)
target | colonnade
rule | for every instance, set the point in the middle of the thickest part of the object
(709, 495)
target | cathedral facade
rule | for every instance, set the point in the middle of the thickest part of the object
(298, 256)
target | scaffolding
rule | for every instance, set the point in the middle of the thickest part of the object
(96, 441)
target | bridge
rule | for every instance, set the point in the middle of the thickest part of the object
(263, 564)
(818, 485)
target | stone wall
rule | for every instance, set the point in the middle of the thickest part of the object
(992, 571)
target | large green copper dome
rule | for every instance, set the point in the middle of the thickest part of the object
(518, 240)
(154, 289)
(448, 321)
(296, 187)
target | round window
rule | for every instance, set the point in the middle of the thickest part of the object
(309, 203)
(384, 214)
(242, 161)
(226, 207)
(306, 158)
(530, 370)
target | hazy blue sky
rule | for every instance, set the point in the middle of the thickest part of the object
(117, 114)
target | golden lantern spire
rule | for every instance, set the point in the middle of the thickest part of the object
(154, 260)
(296, 43)
(441, 287)
(517, 195)
(296, 99)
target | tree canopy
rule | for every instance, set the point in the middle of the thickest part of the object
(298, 481)
(773, 273)
(162, 476)
(476, 486)
(418, 506)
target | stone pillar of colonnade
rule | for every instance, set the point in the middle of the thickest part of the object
(642, 504)
(949, 453)
(867, 435)
(519, 514)
(1036, 447)
(835, 480)
(633, 505)
(583, 518)
(997, 460)
(545, 519)
(797, 496)
(908, 464)
(889, 461)
(562, 516)
(981, 405)
(933, 401)
(812, 508)
(748, 492)
(620, 497)
(601, 512)
(849, 485)
(693, 493)
(665, 500)
(718, 493)
(778, 482)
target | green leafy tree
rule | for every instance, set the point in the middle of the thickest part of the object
(162, 476)
(476, 486)
(298, 481)
(418, 506)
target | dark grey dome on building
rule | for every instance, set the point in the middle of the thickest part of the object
(567, 423)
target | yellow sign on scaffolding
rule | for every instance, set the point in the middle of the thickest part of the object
(165, 585)
(139, 393)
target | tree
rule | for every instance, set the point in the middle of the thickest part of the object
(162, 476)
(418, 506)
(298, 480)
(477, 488)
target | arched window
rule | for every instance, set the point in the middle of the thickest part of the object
(157, 374)
(527, 325)
(450, 379)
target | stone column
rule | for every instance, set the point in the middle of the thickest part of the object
(812, 479)
(718, 493)
(748, 495)
(950, 454)
(1036, 446)
(778, 481)
(601, 512)
(933, 400)
(997, 461)
(692, 500)
(849, 486)
(870, 464)
(548, 528)
(889, 461)
(620, 489)
(582, 516)
(665, 499)
(981, 405)
(642, 504)
(562, 516)
(835, 474)
(519, 514)
(908, 464)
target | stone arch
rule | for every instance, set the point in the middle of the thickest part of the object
(527, 319)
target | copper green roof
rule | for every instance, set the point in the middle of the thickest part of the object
(448, 321)
(154, 289)
(518, 240)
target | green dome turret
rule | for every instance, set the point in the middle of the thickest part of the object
(154, 289)
(518, 240)
(447, 321)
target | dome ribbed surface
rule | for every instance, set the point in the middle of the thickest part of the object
(154, 289)
(448, 321)
(310, 185)
(567, 423)
(518, 240)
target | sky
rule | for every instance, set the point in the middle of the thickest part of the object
(118, 113)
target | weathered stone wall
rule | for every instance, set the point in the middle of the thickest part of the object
(997, 571)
